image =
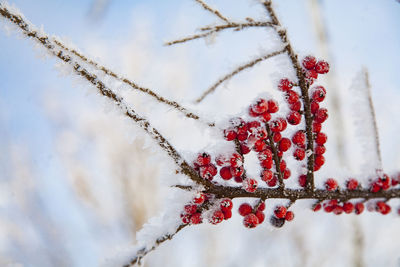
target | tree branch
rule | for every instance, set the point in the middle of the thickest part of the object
(237, 71)
(213, 11)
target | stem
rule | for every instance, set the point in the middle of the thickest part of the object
(277, 160)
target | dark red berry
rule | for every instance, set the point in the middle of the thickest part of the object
(260, 216)
(296, 106)
(227, 214)
(273, 181)
(284, 144)
(276, 126)
(299, 154)
(319, 93)
(238, 179)
(208, 171)
(352, 184)
(217, 217)
(245, 209)
(190, 209)
(321, 115)
(244, 148)
(261, 206)
(311, 74)
(280, 212)
(282, 165)
(196, 218)
(237, 171)
(292, 97)
(314, 107)
(294, 118)
(359, 208)
(303, 180)
(277, 137)
(316, 127)
(320, 150)
(203, 159)
(265, 117)
(286, 174)
(267, 164)
(322, 67)
(309, 62)
(331, 184)
(185, 218)
(289, 216)
(225, 173)
(272, 106)
(285, 84)
(321, 138)
(319, 160)
(317, 207)
(242, 136)
(230, 135)
(348, 207)
(267, 175)
(250, 220)
(276, 222)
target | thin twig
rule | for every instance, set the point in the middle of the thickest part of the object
(236, 71)
(133, 85)
(373, 116)
(46, 42)
(214, 29)
(304, 86)
(213, 11)
(275, 157)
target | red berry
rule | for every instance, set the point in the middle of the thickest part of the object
(319, 93)
(190, 209)
(208, 171)
(284, 144)
(267, 175)
(225, 204)
(217, 217)
(245, 209)
(185, 218)
(296, 106)
(311, 74)
(227, 214)
(253, 125)
(286, 174)
(283, 124)
(222, 160)
(259, 146)
(299, 154)
(250, 220)
(238, 179)
(282, 165)
(316, 127)
(230, 135)
(280, 212)
(260, 134)
(289, 216)
(260, 106)
(272, 182)
(285, 84)
(244, 148)
(309, 62)
(314, 107)
(383, 208)
(321, 138)
(337, 210)
(250, 185)
(322, 67)
(242, 136)
(203, 159)
(292, 97)
(225, 173)
(331, 184)
(375, 188)
(319, 160)
(237, 171)
(321, 115)
(265, 154)
(320, 150)
(267, 164)
(303, 180)
(236, 160)
(252, 113)
(276, 137)
(348, 207)
(299, 138)
(294, 118)
(317, 207)
(275, 125)
(196, 218)
(199, 199)
(265, 117)
(272, 106)
(261, 206)
(359, 208)
(352, 184)
(260, 216)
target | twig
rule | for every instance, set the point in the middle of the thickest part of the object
(236, 71)
(133, 85)
(275, 158)
(214, 29)
(213, 11)
(105, 91)
(304, 94)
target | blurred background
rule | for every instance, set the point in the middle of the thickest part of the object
(78, 180)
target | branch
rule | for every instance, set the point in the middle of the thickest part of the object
(133, 85)
(214, 29)
(213, 11)
(236, 71)
(304, 93)
(44, 40)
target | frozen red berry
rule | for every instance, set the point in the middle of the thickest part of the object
(237, 171)
(267, 164)
(316, 127)
(316, 207)
(309, 62)
(289, 216)
(292, 97)
(267, 175)
(203, 159)
(284, 144)
(299, 138)
(319, 160)
(208, 171)
(352, 184)
(250, 185)
(311, 74)
(286, 173)
(190, 209)
(277, 136)
(261, 206)
(185, 218)
(225, 173)
(260, 106)
(196, 218)
(217, 217)
(294, 118)
(322, 67)
(265, 117)
(245, 209)
(321, 115)
(273, 181)
(259, 146)
(199, 198)
(331, 184)
(348, 207)
(260, 216)
(230, 135)
(359, 208)
(299, 154)
(244, 148)
(303, 180)
(250, 220)
(236, 160)
(314, 107)
(280, 212)
(319, 93)
(226, 203)
(296, 106)
(272, 106)
(321, 138)
(227, 214)
(285, 84)
(282, 165)
(320, 150)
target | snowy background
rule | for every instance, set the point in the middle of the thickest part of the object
(78, 180)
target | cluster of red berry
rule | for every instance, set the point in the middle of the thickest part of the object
(253, 216)
(338, 208)
(192, 211)
(281, 215)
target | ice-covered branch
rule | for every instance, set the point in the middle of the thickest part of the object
(237, 71)
(42, 39)
(212, 10)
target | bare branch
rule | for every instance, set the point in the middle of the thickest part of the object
(214, 29)
(236, 71)
(213, 11)
(46, 42)
(133, 85)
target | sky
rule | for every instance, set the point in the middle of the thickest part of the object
(129, 38)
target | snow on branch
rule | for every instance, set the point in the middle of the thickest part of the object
(212, 10)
